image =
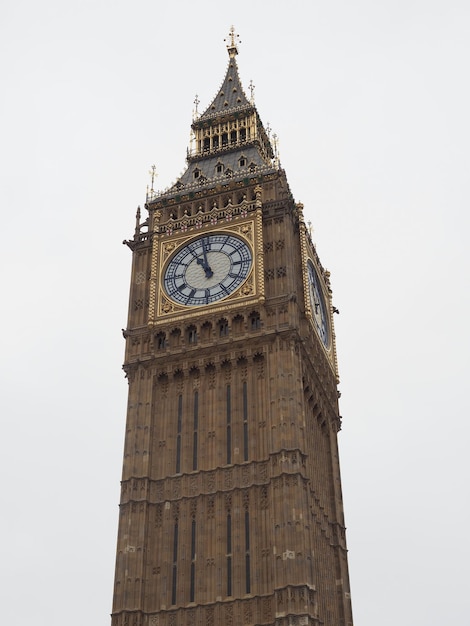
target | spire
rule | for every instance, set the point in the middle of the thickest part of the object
(228, 140)
(230, 96)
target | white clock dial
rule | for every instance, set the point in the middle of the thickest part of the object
(317, 303)
(207, 269)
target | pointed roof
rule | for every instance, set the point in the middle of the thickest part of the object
(248, 155)
(230, 96)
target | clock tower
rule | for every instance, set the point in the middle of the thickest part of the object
(231, 509)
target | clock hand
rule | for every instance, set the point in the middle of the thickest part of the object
(205, 264)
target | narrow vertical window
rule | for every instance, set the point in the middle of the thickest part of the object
(193, 561)
(229, 426)
(175, 558)
(229, 555)
(247, 553)
(195, 428)
(229, 534)
(223, 328)
(161, 341)
(178, 434)
(255, 321)
(245, 422)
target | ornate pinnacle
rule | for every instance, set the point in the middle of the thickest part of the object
(196, 104)
(153, 174)
(232, 46)
(251, 87)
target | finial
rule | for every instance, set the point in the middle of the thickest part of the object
(232, 46)
(137, 223)
(196, 103)
(251, 87)
(268, 130)
(276, 150)
(151, 192)
(153, 174)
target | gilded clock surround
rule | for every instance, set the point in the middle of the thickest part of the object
(243, 220)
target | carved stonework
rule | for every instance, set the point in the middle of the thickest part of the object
(229, 615)
(230, 484)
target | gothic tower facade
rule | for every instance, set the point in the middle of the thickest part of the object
(231, 509)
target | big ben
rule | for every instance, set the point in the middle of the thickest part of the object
(231, 508)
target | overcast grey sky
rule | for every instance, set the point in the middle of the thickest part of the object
(371, 103)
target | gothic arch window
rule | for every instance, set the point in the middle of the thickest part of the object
(175, 337)
(242, 161)
(194, 372)
(223, 327)
(210, 369)
(162, 381)
(255, 320)
(215, 141)
(161, 341)
(196, 174)
(191, 334)
(219, 168)
(207, 144)
(258, 357)
(206, 331)
(238, 323)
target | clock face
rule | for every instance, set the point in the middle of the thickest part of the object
(207, 269)
(317, 302)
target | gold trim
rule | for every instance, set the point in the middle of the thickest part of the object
(165, 247)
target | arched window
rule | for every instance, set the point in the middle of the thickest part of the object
(161, 341)
(175, 336)
(255, 321)
(223, 327)
(191, 334)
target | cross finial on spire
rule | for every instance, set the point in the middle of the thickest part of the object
(196, 103)
(276, 150)
(232, 45)
(153, 174)
(251, 87)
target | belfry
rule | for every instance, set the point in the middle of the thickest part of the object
(231, 509)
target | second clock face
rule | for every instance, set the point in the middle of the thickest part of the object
(317, 302)
(207, 269)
